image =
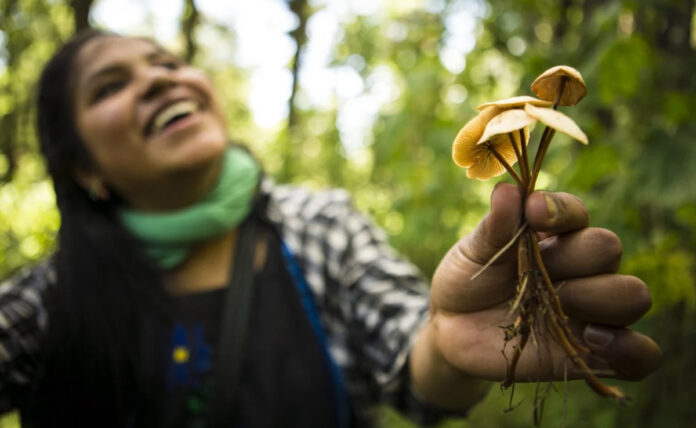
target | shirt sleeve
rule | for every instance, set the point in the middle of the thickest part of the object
(386, 298)
(22, 321)
(373, 302)
(389, 304)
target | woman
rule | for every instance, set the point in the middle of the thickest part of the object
(187, 291)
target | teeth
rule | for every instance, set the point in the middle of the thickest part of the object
(169, 113)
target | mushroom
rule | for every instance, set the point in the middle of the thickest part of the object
(558, 121)
(485, 144)
(485, 162)
(469, 135)
(506, 122)
(515, 102)
(549, 83)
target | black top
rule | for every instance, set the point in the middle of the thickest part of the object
(285, 378)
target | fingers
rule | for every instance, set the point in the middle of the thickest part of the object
(584, 259)
(590, 251)
(617, 300)
(608, 303)
(574, 250)
(545, 212)
(630, 354)
(555, 212)
(473, 342)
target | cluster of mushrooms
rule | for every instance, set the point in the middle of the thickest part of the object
(488, 146)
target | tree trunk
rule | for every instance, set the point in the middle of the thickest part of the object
(189, 23)
(290, 142)
(8, 122)
(81, 10)
(299, 35)
(562, 25)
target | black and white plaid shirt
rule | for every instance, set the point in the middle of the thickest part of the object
(371, 302)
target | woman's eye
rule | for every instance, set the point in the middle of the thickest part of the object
(172, 65)
(107, 89)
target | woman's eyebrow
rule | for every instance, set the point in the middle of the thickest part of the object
(106, 70)
(159, 53)
(149, 57)
(92, 79)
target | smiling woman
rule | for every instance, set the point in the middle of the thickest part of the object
(152, 198)
(189, 290)
(150, 122)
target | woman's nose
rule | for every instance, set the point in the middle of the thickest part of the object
(155, 81)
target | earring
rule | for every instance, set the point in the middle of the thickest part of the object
(97, 193)
(93, 195)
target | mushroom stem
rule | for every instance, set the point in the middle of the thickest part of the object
(507, 166)
(561, 88)
(539, 158)
(545, 140)
(525, 157)
(523, 171)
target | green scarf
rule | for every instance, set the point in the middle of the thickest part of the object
(170, 236)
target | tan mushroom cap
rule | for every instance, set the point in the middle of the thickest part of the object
(547, 85)
(515, 102)
(467, 137)
(558, 121)
(506, 122)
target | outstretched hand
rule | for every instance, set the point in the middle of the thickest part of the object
(465, 331)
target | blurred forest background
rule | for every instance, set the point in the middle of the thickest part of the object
(403, 77)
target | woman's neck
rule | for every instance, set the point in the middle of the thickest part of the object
(177, 190)
(206, 268)
(209, 265)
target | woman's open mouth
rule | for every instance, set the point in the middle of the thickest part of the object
(171, 115)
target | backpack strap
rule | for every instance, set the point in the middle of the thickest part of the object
(342, 410)
(234, 327)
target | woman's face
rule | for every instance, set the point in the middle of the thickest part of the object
(150, 121)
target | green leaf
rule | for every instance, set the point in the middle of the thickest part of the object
(623, 67)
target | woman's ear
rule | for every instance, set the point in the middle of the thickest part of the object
(93, 183)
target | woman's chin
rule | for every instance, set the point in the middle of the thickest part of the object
(201, 150)
(190, 141)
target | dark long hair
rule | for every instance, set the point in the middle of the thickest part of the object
(106, 309)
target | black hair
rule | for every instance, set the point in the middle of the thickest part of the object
(108, 307)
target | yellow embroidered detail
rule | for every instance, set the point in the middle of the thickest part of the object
(180, 354)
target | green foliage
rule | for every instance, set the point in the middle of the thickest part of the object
(622, 66)
(11, 420)
(28, 216)
(594, 164)
(636, 176)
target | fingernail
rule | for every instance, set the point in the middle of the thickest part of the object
(597, 337)
(551, 207)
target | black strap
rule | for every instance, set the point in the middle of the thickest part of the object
(235, 318)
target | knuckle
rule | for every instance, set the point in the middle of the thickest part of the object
(578, 201)
(584, 214)
(640, 296)
(571, 212)
(608, 244)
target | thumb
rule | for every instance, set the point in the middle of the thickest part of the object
(497, 227)
(453, 288)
